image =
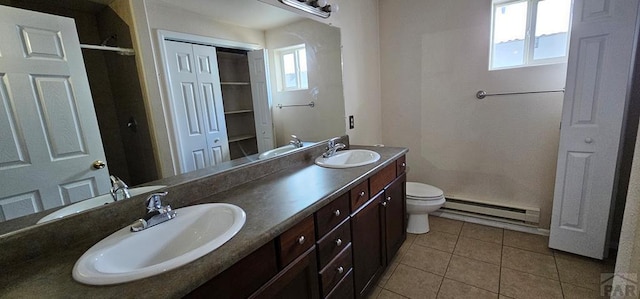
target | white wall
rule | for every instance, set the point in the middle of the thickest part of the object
(434, 58)
(326, 118)
(358, 22)
(168, 17)
(628, 256)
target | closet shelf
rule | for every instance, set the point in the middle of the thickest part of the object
(235, 83)
(240, 138)
(238, 111)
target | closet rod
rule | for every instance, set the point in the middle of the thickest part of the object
(121, 51)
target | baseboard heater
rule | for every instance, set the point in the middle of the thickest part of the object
(512, 214)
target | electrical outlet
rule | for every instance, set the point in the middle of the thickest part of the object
(352, 123)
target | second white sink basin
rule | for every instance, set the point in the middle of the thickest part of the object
(277, 151)
(349, 158)
(93, 202)
(281, 150)
(126, 256)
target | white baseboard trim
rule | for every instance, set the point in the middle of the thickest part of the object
(499, 224)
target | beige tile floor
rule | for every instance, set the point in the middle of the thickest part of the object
(465, 260)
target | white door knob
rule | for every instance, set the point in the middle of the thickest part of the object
(588, 140)
(216, 140)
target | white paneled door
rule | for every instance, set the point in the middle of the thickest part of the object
(600, 57)
(49, 135)
(258, 71)
(197, 108)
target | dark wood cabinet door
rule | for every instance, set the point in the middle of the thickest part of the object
(394, 211)
(298, 280)
(367, 241)
(243, 278)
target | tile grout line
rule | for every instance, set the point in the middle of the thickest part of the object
(536, 275)
(450, 258)
(462, 282)
(437, 249)
(501, 257)
(528, 250)
(403, 296)
(383, 287)
(555, 261)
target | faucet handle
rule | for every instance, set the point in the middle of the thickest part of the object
(332, 142)
(117, 182)
(154, 201)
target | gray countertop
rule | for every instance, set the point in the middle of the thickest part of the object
(273, 204)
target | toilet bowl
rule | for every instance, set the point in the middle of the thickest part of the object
(422, 199)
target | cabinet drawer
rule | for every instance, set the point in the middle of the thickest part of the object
(330, 215)
(381, 179)
(359, 195)
(295, 241)
(344, 289)
(331, 244)
(401, 165)
(335, 271)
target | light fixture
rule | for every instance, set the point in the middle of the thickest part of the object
(319, 8)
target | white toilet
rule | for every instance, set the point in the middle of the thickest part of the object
(422, 199)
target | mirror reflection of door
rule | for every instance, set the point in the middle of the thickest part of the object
(48, 127)
(196, 100)
(260, 90)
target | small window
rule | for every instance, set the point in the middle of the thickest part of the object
(529, 32)
(292, 68)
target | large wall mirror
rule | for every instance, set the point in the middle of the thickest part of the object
(304, 66)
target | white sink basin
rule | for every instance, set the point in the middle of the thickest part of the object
(93, 202)
(126, 256)
(281, 150)
(349, 158)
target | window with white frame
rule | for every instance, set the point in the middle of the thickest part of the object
(529, 32)
(292, 68)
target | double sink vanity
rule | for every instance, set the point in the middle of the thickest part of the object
(294, 226)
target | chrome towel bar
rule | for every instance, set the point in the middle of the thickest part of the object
(482, 94)
(311, 104)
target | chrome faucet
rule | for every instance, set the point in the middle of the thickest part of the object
(156, 213)
(118, 187)
(333, 147)
(295, 141)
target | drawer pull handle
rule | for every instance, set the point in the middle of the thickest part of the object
(384, 204)
(340, 270)
(301, 240)
(362, 193)
(337, 213)
(388, 198)
(338, 242)
(403, 164)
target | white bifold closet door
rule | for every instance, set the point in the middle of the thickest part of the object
(598, 73)
(259, 74)
(197, 107)
(49, 136)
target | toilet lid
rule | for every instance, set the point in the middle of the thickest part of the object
(423, 191)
